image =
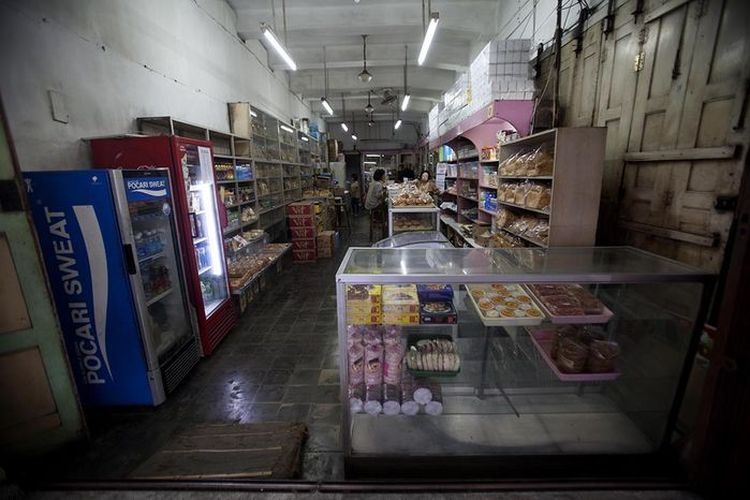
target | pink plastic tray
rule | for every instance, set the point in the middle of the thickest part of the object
(543, 339)
(571, 320)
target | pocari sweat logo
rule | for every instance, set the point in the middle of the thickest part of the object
(150, 187)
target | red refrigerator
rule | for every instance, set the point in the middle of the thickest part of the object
(190, 162)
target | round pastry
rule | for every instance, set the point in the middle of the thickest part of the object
(500, 288)
(508, 313)
(497, 299)
(534, 313)
(477, 294)
(511, 304)
(523, 298)
(485, 304)
(492, 313)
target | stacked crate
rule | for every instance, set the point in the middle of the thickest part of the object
(326, 243)
(301, 222)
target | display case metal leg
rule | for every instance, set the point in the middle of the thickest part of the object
(485, 354)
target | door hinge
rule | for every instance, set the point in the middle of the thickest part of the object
(638, 62)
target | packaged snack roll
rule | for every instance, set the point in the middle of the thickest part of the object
(373, 398)
(356, 398)
(408, 405)
(374, 364)
(391, 399)
(422, 391)
(435, 407)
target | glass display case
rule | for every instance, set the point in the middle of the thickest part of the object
(505, 355)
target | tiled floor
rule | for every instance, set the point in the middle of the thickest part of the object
(279, 363)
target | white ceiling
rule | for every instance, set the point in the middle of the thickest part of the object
(465, 26)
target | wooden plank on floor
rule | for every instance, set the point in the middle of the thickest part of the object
(228, 452)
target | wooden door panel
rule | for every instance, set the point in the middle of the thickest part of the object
(616, 93)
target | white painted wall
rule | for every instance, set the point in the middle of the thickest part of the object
(535, 19)
(115, 60)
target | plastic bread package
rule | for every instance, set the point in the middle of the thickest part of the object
(538, 197)
(507, 166)
(504, 218)
(522, 191)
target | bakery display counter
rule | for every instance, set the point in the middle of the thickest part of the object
(508, 353)
(412, 218)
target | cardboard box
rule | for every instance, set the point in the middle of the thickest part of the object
(303, 244)
(300, 208)
(302, 232)
(325, 252)
(304, 255)
(327, 239)
(368, 293)
(399, 300)
(363, 307)
(401, 319)
(363, 319)
(301, 221)
(438, 313)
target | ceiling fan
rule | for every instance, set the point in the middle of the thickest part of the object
(388, 96)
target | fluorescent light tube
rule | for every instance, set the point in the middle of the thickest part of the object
(305, 138)
(397, 124)
(276, 44)
(405, 102)
(372, 155)
(434, 19)
(327, 106)
(290, 130)
(253, 114)
(370, 163)
(354, 137)
(343, 126)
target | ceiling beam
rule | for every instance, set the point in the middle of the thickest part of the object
(453, 57)
(311, 82)
(462, 17)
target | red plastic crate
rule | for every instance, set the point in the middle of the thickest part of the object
(304, 244)
(302, 221)
(304, 255)
(301, 208)
(302, 232)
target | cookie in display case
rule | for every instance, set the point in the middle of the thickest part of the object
(553, 353)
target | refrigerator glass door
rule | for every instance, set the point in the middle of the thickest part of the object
(197, 170)
(164, 305)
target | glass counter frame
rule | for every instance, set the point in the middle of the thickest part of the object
(605, 266)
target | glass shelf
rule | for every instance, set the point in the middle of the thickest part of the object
(512, 265)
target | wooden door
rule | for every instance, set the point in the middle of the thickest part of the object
(681, 155)
(616, 93)
(38, 405)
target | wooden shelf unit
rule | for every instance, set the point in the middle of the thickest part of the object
(576, 182)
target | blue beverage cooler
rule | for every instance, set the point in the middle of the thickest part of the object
(112, 255)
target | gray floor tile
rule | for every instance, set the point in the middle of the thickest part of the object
(269, 394)
(327, 394)
(300, 394)
(304, 377)
(294, 412)
(329, 414)
(328, 376)
(274, 377)
(323, 438)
